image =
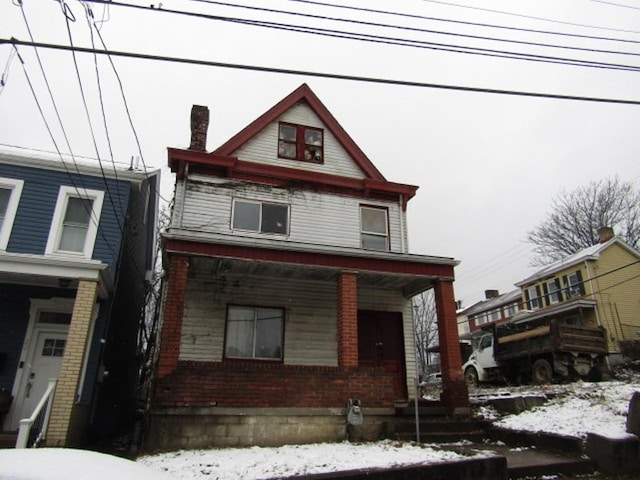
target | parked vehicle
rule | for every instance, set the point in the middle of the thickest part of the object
(524, 352)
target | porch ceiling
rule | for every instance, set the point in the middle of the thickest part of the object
(214, 267)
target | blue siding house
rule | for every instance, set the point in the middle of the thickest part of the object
(77, 249)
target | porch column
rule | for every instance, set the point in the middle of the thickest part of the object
(454, 388)
(174, 292)
(348, 319)
(67, 417)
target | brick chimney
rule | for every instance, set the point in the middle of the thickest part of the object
(199, 127)
(605, 234)
(491, 294)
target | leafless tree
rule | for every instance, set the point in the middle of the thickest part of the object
(426, 328)
(577, 215)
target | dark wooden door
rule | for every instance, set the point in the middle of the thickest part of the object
(381, 344)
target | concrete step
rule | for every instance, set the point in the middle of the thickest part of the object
(8, 439)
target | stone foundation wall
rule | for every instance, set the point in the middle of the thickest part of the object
(191, 428)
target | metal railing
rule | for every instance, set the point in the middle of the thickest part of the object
(33, 430)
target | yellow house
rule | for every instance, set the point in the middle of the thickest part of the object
(597, 286)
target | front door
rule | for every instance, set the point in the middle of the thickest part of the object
(42, 362)
(381, 344)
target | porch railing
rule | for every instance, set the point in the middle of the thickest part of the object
(33, 430)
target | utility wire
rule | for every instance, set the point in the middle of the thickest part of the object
(501, 12)
(616, 4)
(383, 39)
(413, 29)
(384, 81)
(461, 22)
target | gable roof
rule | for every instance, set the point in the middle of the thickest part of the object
(302, 93)
(491, 303)
(589, 253)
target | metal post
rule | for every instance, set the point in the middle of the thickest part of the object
(417, 395)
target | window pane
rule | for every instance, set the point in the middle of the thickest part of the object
(374, 242)
(313, 137)
(274, 218)
(246, 216)
(287, 133)
(286, 149)
(374, 220)
(72, 238)
(5, 195)
(78, 211)
(268, 333)
(239, 341)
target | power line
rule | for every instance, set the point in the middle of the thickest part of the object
(386, 40)
(616, 4)
(501, 12)
(461, 22)
(413, 29)
(284, 71)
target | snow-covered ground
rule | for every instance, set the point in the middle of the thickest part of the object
(572, 409)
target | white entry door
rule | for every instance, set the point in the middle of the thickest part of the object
(43, 363)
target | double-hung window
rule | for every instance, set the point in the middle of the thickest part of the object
(374, 228)
(298, 142)
(533, 298)
(75, 222)
(553, 292)
(574, 284)
(10, 191)
(260, 217)
(254, 332)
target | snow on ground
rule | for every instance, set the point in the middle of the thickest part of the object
(572, 409)
(290, 460)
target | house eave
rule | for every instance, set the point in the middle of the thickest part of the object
(51, 271)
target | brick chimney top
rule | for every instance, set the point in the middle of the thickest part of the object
(605, 234)
(199, 127)
(491, 294)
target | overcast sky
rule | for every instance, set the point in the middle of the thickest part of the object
(487, 165)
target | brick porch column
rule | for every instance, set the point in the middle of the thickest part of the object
(65, 412)
(348, 319)
(454, 388)
(175, 292)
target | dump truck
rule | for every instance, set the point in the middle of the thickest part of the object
(519, 353)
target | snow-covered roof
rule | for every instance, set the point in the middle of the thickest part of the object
(590, 253)
(495, 302)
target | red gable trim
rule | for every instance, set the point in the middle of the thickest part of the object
(434, 270)
(200, 162)
(302, 93)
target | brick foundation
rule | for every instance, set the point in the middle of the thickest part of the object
(265, 385)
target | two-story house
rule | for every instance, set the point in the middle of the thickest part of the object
(289, 287)
(76, 246)
(495, 308)
(597, 286)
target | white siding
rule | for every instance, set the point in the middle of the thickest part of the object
(310, 316)
(315, 218)
(392, 301)
(263, 147)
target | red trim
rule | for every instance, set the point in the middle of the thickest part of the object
(302, 93)
(231, 167)
(435, 270)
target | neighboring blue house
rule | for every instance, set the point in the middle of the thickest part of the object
(77, 248)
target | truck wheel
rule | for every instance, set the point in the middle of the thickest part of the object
(541, 372)
(471, 377)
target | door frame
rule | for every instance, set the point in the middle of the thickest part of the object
(56, 304)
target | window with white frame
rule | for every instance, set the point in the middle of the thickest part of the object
(480, 319)
(254, 332)
(553, 292)
(511, 310)
(75, 222)
(533, 298)
(374, 228)
(10, 191)
(574, 284)
(494, 315)
(260, 217)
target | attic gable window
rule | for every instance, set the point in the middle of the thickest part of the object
(260, 217)
(298, 142)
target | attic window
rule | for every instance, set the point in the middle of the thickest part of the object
(298, 142)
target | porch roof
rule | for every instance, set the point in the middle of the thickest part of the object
(411, 274)
(578, 304)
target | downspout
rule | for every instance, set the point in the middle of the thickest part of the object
(403, 234)
(183, 196)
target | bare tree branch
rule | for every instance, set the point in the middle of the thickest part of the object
(576, 217)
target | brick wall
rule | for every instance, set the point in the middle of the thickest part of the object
(348, 319)
(173, 312)
(252, 384)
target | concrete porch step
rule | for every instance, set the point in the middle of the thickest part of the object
(8, 439)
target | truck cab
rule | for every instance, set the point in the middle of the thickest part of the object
(481, 365)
